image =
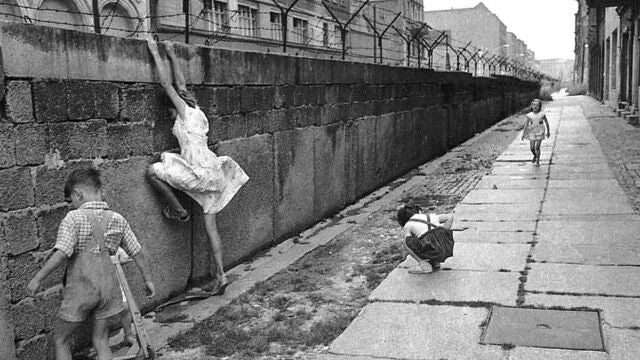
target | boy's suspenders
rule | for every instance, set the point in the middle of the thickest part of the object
(429, 223)
(99, 227)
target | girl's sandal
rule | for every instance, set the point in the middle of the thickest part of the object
(169, 214)
(219, 287)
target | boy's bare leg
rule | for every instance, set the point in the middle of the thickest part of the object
(216, 244)
(126, 321)
(100, 339)
(61, 337)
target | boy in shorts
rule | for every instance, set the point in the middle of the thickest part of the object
(87, 236)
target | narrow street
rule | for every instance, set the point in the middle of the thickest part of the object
(545, 264)
(543, 268)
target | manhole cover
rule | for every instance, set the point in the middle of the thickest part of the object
(558, 329)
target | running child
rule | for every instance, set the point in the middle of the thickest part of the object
(534, 129)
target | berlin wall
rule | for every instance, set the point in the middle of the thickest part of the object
(313, 135)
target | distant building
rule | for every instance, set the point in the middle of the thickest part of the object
(486, 33)
(560, 69)
(477, 25)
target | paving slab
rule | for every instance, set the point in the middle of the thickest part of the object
(614, 310)
(495, 237)
(513, 177)
(492, 212)
(522, 156)
(520, 169)
(342, 357)
(483, 257)
(502, 184)
(548, 328)
(597, 232)
(581, 183)
(533, 353)
(591, 254)
(588, 217)
(503, 196)
(580, 168)
(584, 279)
(448, 286)
(560, 175)
(407, 331)
(597, 193)
(567, 158)
(488, 226)
(623, 344)
(586, 206)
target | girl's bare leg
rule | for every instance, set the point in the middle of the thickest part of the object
(532, 147)
(126, 321)
(538, 142)
(216, 245)
(166, 191)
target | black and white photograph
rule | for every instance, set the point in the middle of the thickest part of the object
(319, 179)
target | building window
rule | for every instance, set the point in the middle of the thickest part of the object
(300, 32)
(614, 59)
(220, 16)
(325, 35)
(275, 19)
(336, 41)
(248, 21)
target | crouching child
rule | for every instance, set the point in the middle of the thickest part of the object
(429, 249)
(87, 236)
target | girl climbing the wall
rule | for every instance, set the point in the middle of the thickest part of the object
(208, 179)
(534, 129)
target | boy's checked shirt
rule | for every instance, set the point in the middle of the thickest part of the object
(74, 232)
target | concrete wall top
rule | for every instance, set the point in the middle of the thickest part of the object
(67, 54)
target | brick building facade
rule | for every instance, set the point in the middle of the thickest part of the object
(608, 51)
(120, 18)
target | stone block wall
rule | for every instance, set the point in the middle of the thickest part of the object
(313, 135)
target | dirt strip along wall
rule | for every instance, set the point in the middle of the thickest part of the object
(313, 135)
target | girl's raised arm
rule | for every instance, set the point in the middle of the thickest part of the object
(178, 77)
(165, 79)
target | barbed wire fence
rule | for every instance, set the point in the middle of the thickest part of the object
(414, 44)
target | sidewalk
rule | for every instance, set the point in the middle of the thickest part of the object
(545, 265)
(558, 237)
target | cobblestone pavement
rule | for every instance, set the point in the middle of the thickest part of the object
(620, 143)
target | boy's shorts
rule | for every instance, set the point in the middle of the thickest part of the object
(81, 302)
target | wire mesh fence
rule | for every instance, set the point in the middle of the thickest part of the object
(381, 36)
